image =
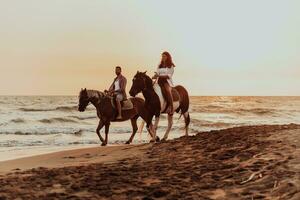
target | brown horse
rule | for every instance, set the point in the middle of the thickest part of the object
(107, 113)
(155, 103)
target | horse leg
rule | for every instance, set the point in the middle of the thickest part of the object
(100, 125)
(106, 134)
(140, 131)
(149, 129)
(134, 129)
(187, 120)
(170, 123)
(156, 124)
(155, 128)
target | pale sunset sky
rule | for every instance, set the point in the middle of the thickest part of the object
(232, 47)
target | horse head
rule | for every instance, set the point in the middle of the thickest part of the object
(139, 83)
(83, 100)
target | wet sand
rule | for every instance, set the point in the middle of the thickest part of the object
(250, 162)
(74, 157)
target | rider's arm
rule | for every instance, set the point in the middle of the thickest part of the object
(123, 84)
(111, 88)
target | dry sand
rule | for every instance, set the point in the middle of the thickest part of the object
(251, 162)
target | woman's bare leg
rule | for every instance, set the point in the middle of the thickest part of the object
(168, 89)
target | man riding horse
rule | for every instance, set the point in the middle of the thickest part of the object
(118, 88)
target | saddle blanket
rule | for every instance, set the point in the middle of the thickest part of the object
(126, 104)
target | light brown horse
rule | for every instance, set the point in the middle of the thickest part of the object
(155, 103)
(107, 113)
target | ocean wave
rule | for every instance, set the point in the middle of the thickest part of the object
(217, 124)
(213, 107)
(34, 109)
(84, 142)
(259, 111)
(59, 108)
(83, 118)
(77, 133)
(66, 108)
(3, 124)
(57, 119)
(18, 120)
(237, 111)
(15, 143)
(22, 133)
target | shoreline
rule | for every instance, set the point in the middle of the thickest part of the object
(37, 151)
(69, 157)
(247, 162)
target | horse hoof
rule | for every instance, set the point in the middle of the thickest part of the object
(103, 144)
(152, 141)
(157, 139)
(127, 142)
(163, 140)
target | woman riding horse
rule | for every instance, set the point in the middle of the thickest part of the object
(164, 75)
(155, 104)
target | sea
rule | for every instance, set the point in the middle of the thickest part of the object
(32, 125)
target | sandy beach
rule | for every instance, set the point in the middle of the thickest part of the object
(86, 85)
(249, 162)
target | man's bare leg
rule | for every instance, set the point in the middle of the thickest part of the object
(119, 109)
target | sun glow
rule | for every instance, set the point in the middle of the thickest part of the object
(220, 47)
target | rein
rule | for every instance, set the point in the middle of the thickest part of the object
(144, 79)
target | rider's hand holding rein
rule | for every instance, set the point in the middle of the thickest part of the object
(109, 93)
(155, 76)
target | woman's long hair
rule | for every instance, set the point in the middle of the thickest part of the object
(169, 63)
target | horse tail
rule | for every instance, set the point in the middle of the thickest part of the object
(184, 99)
(187, 120)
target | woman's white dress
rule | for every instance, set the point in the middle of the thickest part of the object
(166, 71)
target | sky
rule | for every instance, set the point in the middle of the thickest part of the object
(232, 47)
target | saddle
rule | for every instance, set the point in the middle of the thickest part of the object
(125, 104)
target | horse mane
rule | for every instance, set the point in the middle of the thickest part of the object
(92, 94)
(148, 80)
(95, 93)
